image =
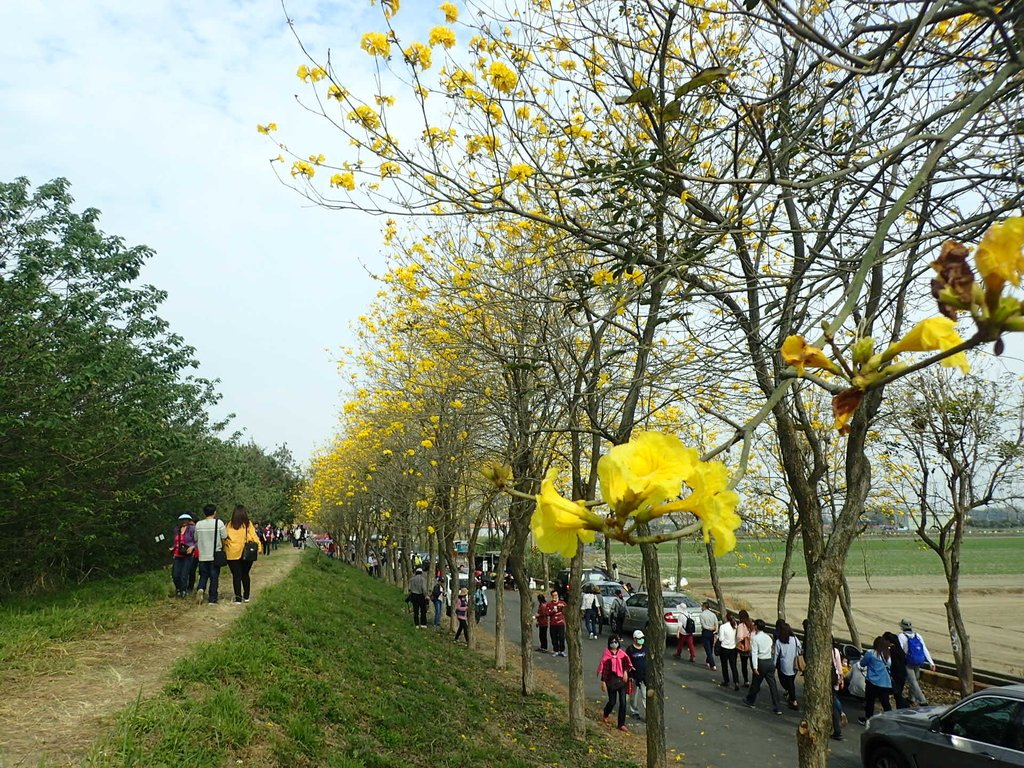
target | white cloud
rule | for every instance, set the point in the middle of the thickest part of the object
(149, 109)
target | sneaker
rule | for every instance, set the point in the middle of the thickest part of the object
(837, 737)
(200, 596)
(794, 705)
(862, 721)
(777, 711)
(563, 654)
(724, 684)
(749, 704)
(245, 600)
(635, 713)
(238, 601)
(693, 659)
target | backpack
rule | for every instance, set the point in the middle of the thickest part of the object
(690, 627)
(435, 593)
(915, 650)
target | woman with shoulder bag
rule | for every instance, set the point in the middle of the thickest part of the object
(613, 671)
(240, 532)
(744, 631)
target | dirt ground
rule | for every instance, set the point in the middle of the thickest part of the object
(990, 604)
(57, 716)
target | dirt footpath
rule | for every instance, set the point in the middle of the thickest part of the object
(58, 716)
(990, 604)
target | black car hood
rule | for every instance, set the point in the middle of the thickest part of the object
(922, 717)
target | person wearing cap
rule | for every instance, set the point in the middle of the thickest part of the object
(418, 598)
(462, 614)
(917, 654)
(183, 550)
(638, 674)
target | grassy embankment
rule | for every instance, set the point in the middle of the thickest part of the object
(903, 555)
(32, 626)
(324, 669)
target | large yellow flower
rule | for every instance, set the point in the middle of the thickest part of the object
(712, 501)
(933, 334)
(798, 353)
(558, 524)
(1000, 257)
(644, 472)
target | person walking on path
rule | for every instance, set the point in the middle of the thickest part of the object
(462, 614)
(437, 599)
(838, 716)
(613, 671)
(684, 636)
(543, 615)
(638, 674)
(479, 602)
(418, 598)
(708, 632)
(744, 631)
(897, 670)
(183, 550)
(556, 623)
(877, 680)
(210, 535)
(787, 648)
(764, 668)
(618, 612)
(240, 531)
(917, 656)
(589, 605)
(727, 653)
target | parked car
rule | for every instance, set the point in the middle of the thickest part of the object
(677, 607)
(591, 575)
(985, 728)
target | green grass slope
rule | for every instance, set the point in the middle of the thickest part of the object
(325, 669)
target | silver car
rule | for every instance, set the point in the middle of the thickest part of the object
(677, 607)
(985, 728)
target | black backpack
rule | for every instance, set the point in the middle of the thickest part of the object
(435, 593)
(690, 627)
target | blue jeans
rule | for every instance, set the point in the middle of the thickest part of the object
(437, 613)
(707, 639)
(179, 573)
(590, 620)
(209, 577)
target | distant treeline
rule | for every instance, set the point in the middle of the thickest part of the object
(105, 435)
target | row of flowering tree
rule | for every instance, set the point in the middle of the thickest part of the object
(621, 204)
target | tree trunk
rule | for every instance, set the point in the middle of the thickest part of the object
(500, 650)
(851, 620)
(787, 565)
(679, 562)
(715, 583)
(958, 636)
(656, 757)
(573, 644)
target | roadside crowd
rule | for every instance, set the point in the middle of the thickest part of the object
(741, 646)
(205, 546)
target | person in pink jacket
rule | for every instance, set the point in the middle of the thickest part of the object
(613, 671)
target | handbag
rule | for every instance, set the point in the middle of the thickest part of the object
(220, 557)
(717, 650)
(250, 551)
(800, 665)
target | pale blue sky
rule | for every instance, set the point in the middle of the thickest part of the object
(149, 109)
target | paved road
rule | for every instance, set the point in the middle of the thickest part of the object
(707, 724)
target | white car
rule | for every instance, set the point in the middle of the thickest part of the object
(677, 606)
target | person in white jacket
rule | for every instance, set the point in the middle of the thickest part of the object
(914, 647)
